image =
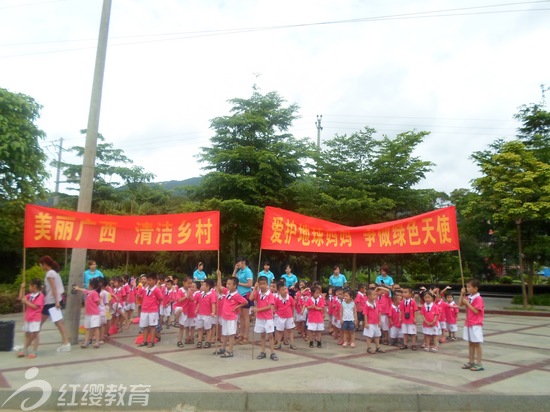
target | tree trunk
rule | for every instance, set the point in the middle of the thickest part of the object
(354, 271)
(520, 263)
(530, 278)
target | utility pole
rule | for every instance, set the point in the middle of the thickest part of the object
(78, 257)
(58, 173)
(319, 128)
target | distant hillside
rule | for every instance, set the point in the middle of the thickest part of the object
(177, 184)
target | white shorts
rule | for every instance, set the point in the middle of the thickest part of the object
(300, 317)
(216, 320)
(443, 325)
(408, 329)
(316, 327)
(167, 311)
(336, 322)
(188, 322)
(148, 319)
(264, 326)
(102, 319)
(130, 306)
(431, 330)
(396, 332)
(373, 331)
(92, 321)
(31, 326)
(452, 327)
(284, 323)
(203, 322)
(229, 327)
(385, 322)
(473, 334)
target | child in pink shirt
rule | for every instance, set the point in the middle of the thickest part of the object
(284, 322)
(430, 326)
(34, 302)
(233, 302)
(396, 334)
(473, 326)
(130, 287)
(192, 313)
(359, 303)
(206, 311)
(264, 306)
(315, 316)
(372, 321)
(407, 311)
(183, 298)
(452, 316)
(151, 296)
(336, 316)
(440, 302)
(169, 294)
(92, 319)
(384, 303)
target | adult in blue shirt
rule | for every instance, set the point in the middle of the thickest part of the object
(199, 274)
(337, 279)
(91, 272)
(384, 279)
(290, 280)
(267, 273)
(244, 288)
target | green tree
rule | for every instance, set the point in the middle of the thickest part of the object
(22, 169)
(514, 188)
(115, 175)
(252, 156)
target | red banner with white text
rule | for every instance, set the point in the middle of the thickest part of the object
(434, 231)
(55, 228)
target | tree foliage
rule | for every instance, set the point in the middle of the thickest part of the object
(252, 156)
(22, 170)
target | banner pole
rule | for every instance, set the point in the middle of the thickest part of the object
(259, 261)
(24, 264)
(218, 259)
(461, 270)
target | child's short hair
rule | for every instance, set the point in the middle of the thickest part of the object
(369, 293)
(349, 292)
(361, 286)
(448, 294)
(169, 281)
(262, 279)
(198, 284)
(36, 282)
(234, 280)
(152, 276)
(473, 283)
(186, 278)
(315, 289)
(281, 285)
(126, 277)
(209, 283)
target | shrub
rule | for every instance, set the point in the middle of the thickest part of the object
(537, 300)
(506, 280)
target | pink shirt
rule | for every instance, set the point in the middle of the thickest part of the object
(475, 319)
(451, 313)
(316, 315)
(168, 297)
(283, 307)
(261, 301)
(336, 305)
(120, 294)
(91, 304)
(230, 302)
(219, 302)
(181, 293)
(130, 293)
(206, 301)
(34, 315)
(408, 306)
(372, 313)
(151, 299)
(394, 316)
(191, 311)
(384, 303)
(442, 310)
(429, 312)
(359, 302)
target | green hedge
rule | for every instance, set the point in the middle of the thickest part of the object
(537, 300)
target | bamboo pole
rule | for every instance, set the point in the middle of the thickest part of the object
(461, 269)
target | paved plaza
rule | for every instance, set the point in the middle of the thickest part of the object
(121, 376)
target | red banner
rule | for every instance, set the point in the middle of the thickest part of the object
(56, 228)
(430, 232)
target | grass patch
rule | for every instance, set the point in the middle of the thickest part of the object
(527, 309)
(537, 300)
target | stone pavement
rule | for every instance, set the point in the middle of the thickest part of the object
(121, 376)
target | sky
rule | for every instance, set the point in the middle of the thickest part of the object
(457, 69)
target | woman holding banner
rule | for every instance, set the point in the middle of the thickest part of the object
(244, 288)
(52, 300)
